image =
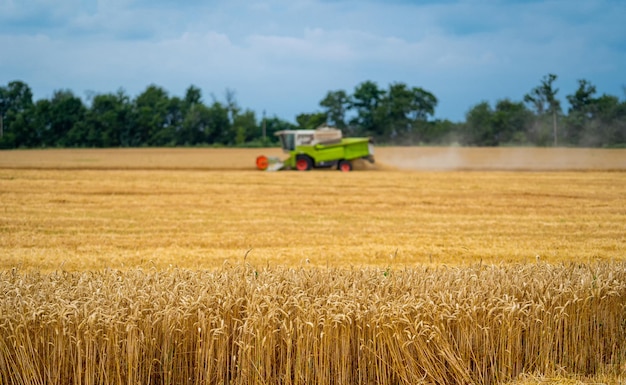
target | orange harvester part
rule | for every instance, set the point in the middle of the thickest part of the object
(262, 162)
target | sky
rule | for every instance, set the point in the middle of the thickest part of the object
(284, 56)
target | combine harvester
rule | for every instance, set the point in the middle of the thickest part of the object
(321, 148)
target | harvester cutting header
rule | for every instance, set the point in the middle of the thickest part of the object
(324, 147)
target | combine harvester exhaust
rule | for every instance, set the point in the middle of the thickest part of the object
(321, 148)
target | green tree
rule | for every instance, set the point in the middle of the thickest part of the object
(150, 116)
(245, 127)
(167, 135)
(16, 105)
(404, 112)
(335, 105)
(393, 112)
(193, 97)
(311, 121)
(122, 109)
(196, 125)
(507, 123)
(582, 111)
(609, 126)
(108, 122)
(478, 129)
(220, 124)
(440, 132)
(16, 96)
(65, 114)
(238, 127)
(229, 133)
(366, 100)
(543, 99)
(582, 100)
(595, 121)
(510, 122)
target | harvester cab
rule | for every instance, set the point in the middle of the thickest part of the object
(291, 139)
(324, 147)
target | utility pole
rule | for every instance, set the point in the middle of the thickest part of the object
(1, 127)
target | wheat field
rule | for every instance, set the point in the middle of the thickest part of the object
(435, 266)
(249, 324)
(389, 158)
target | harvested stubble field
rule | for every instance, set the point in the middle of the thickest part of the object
(391, 158)
(173, 266)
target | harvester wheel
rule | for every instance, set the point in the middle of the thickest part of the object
(304, 163)
(344, 166)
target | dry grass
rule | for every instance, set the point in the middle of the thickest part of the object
(249, 324)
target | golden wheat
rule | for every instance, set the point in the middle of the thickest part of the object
(249, 324)
(82, 219)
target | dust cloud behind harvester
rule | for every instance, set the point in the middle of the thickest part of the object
(499, 159)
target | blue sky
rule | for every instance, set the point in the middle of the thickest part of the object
(283, 56)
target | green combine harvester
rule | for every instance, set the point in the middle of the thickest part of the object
(321, 148)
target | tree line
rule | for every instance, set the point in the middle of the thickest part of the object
(398, 114)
